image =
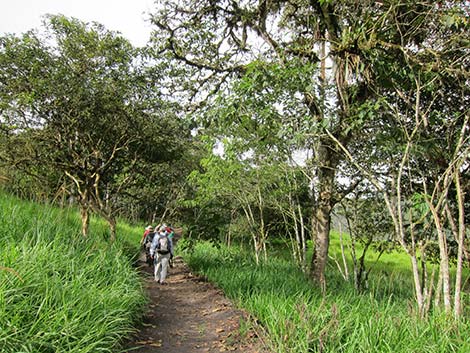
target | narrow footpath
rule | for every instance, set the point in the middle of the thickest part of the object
(190, 315)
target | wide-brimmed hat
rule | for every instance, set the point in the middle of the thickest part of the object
(149, 228)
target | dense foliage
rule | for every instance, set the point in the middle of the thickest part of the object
(82, 117)
(364, 91)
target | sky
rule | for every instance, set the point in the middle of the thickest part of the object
(126, 16)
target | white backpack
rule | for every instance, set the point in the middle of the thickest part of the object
(162, 246)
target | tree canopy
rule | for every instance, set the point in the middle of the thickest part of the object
(77, 97)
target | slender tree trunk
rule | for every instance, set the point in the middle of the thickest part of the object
(262, 230)
(353, 250)
(303, 253)
(444, 260)
(85, 217)
(343, 254)
(83, 202)
(228, 239)
(112, 228)
(437, 299)
(295, 212)
(255, 245)
(296, 243)
(460, 236)
(253, 231)
(429, 291)
(419, 283)
(418, 287)
(293, 242)
(426, 284)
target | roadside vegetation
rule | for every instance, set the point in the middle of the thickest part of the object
(60, 292)
(293, 316)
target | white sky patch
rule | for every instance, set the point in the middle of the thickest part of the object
(218, 148)
(300, 157)
(125, 16)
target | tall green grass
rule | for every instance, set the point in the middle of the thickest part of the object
(298, 318)
(60, 292)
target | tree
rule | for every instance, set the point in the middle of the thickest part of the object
(368, 226)
(277, 51)
(77, 99)
(237, 185)
(158, 190)
(421, 72)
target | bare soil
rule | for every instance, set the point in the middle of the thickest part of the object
(188, 314)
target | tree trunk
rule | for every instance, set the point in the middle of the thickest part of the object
(253, 231)
(444, 260)
(303, 254)
(437, 299)
(460, 237)
(112, 228)
(322, 218)
(85, 217)
(343, 254)
(262, 230)
(417, 281)
(297, 243)
(321, 241)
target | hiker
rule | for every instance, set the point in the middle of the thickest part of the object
(146, 242)
(171, 233)
(161, 250)
(148, 229)
(170, 230)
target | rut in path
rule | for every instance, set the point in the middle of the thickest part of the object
(189, 315)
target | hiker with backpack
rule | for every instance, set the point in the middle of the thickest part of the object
(161, 250)
(171, 232)
(146, 242)
(148, 229)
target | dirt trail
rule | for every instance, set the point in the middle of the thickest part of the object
(189, 315)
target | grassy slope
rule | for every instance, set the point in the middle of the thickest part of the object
(59, 292)
(297, 318)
